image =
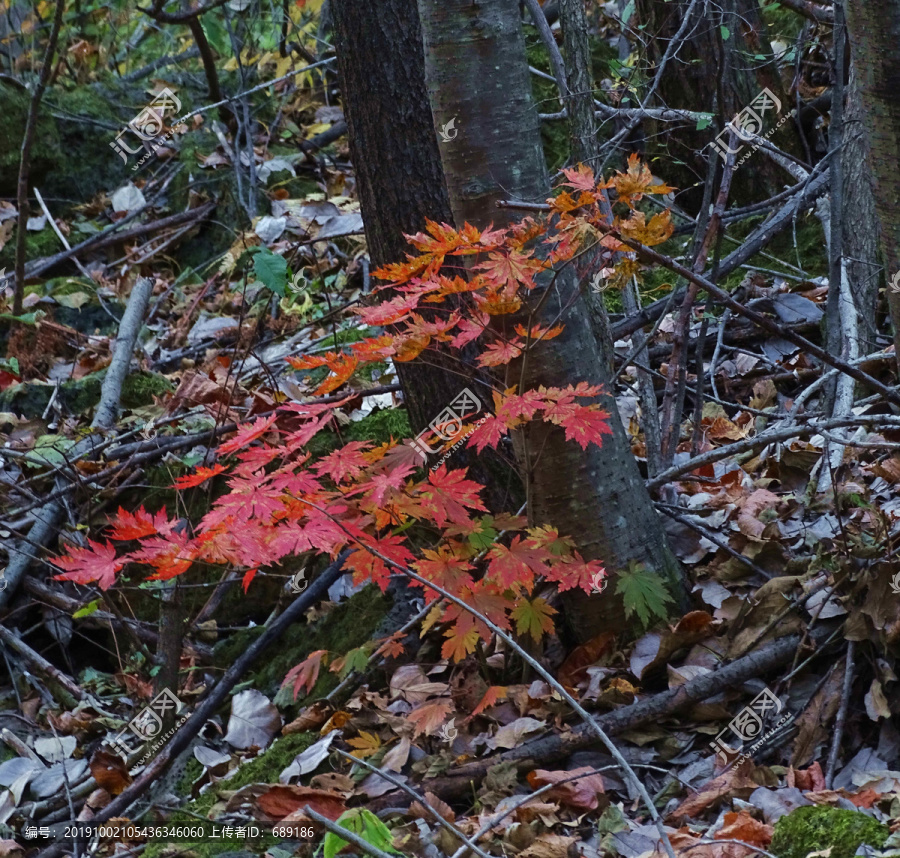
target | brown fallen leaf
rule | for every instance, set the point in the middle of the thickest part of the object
(311, 718)
(572, 670)
(110, 772)
(418, 811)
(742, 826)
(284, 802)
(809, 779)
(550, 846)
(581, 793)
(735, 781)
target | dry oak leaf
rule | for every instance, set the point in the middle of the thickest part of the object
(736, 781)
(281, 802)
(418, 811)
(581, 793)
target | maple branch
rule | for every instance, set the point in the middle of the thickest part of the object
(535, 665)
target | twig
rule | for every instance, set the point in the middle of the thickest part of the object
(758, 318)
(59, 235)
(50, 515)
(40, 664)
(782, 434)
(444, 823)
(546, 34)
(841, 719)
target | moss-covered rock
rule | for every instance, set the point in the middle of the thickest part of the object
(810, 829)
(30, 399)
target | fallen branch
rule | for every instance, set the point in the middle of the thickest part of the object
(557, 747)
(50, 516)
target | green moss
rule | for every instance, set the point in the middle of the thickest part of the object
(810, 829)
(263, 769)
(348, 626)
(46, 151)
(381, 426)
(37, 244)
(140, 388)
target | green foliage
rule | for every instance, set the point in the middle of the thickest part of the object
(271, 269)
(818, 828)
(363, 823)
(644, 593)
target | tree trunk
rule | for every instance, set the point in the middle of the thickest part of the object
(477, 74)
(873, 28)
(400, 183)
(861, 241)
(395, 157)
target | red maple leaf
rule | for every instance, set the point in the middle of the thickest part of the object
(501, 352)
(247, 433)
(127, 526)
(581, 178)
(449, 494)
(85, 565)
(346, 462)
(305, 674)
(517, 564)
(200, 476)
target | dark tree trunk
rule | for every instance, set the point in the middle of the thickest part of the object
(400, 183)
(873, 28)
(477, 74)
(395, 157)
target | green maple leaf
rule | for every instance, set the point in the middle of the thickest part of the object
(484, 535)
(644, 593)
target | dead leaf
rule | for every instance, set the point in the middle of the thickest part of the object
(311, 718)
(549, 846)
(742, 826)
(876, 703)
(428, 718)
(282, 802)
(734, 782)
(581, 792)
(418, 811)
(254, 720)
(110, 772)
(514, 734)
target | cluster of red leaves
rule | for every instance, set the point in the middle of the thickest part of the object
(283, 502)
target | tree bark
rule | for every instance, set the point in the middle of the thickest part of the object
(873, 28)
(477, 74)
(395, 156)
